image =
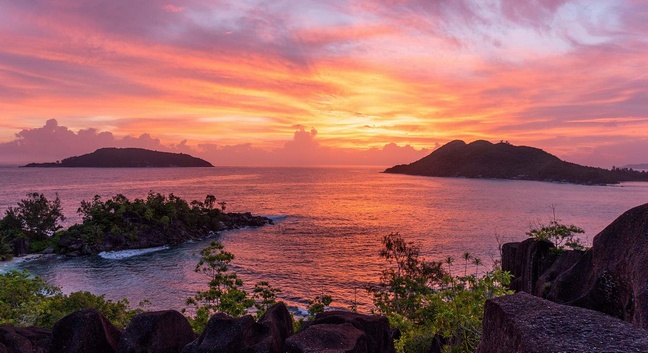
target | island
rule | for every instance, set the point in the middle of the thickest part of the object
(126, 158)
(483, 159)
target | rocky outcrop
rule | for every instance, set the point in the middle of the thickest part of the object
(24, 339)
(565, 260)
(523, 323)
(159, 331)
(527, 261)
(611, 277)
(225, 334)
(84, 331)
(71, 244)
(376, 328)
(330, 338)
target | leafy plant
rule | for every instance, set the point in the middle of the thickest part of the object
(224, 293)
(427, 303)
(560, 235)
(27, 300)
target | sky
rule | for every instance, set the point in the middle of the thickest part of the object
(323, 82)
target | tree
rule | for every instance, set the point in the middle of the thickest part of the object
(39, 218)
(559, 234)
(409, 278)
(224, 293)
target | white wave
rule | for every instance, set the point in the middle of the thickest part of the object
(123, 254)
(277, 218)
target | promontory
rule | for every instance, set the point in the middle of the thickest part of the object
(483, 159)
(126, 158)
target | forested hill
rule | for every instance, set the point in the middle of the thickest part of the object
(127, 158)
(482, 159)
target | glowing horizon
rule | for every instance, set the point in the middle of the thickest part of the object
(566, 76)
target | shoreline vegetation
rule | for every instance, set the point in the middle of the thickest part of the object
(485, 160)
(33, 226)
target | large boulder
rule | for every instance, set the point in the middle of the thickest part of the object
(233, 335)
(329, 338)
(84, 331)
(223, 334)
(158, 331)
(276, 326)
(523, 323)
(376, 328)
(527, 261)
(611, 277)
(24, 339)
(565, 261)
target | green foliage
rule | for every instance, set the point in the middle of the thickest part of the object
(405, 283)
(121, 217)
(319, 304)
(35, 218)
(39, 217)
(424, 300)
(23, 298)
(562, 236)
(264, 296)
(224, 293)
(27, 300)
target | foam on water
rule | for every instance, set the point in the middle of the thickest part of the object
(124, 254)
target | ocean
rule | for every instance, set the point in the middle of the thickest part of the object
(329, 222)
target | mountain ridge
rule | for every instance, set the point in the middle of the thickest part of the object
(486, 160)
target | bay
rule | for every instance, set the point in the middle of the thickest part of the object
(328, 225)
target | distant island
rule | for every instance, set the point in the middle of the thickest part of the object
(126, 158)
(642, 166)
(483, 159)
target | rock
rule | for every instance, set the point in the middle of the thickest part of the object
(158, 331)
(565, 260)
(48, 250)
(232, 335)
(376, 328)
(25, 339)
(329, 338)
(3, 349)
(277, 326)
(84, 331)
(20, 246)
(527, 261)
(611, 277)
(223, 334)
(523, 323)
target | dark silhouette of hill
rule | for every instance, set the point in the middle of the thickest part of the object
(482, 159)
(127, 158)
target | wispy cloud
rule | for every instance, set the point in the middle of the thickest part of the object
(550, 73)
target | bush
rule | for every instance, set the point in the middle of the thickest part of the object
(27, 300)
(224, 293)
(427, 302)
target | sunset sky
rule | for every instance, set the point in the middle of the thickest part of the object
(323, 82)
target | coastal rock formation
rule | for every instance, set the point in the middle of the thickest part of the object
(565, 260)
(376, 328)
(158, 331)
(84, 331)
(330, 338)
(527, 261)
(126, 158)
(611, 277)
(225, 334)
(524, 323)
(482, 159)
(24, 339)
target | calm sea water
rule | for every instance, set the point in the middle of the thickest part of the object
(329, 222)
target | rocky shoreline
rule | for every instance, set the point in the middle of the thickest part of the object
(174, 234)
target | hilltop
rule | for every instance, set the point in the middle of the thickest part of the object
(127, 158)
(483, 159)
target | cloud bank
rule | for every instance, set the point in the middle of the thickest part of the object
(53, 142)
